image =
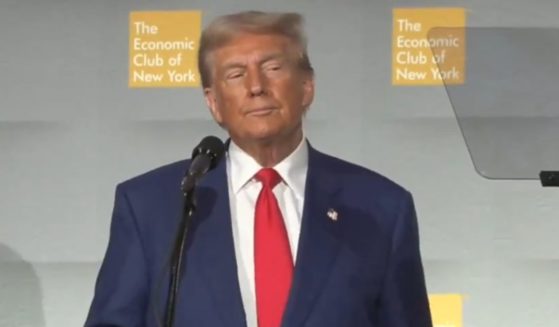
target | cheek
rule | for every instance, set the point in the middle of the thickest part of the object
(229, 104)
(293, 97)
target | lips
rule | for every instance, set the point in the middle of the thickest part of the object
(262, 111)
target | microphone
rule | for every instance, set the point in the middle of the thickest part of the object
(205, 157)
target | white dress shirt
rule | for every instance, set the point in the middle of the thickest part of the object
(243, 192)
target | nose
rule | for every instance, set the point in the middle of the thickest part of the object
(256, 82)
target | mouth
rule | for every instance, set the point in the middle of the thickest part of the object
(263, 111)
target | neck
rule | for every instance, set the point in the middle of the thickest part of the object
(270, 153)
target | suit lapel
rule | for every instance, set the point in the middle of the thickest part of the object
(319, 242)
(215, 248)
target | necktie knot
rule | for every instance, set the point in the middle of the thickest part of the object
(269, 177)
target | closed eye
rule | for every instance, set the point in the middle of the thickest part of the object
(234, 75)
(273, 67)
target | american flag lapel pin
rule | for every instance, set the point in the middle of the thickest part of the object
(332, 214)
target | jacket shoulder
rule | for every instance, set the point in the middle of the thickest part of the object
(361, 178)
(169, 175)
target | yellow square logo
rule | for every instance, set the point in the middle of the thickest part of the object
(428, 46)
(446, 310)
(163, 48)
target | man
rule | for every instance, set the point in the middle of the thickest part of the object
(284, 234)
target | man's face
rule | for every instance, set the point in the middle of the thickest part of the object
(258, 92)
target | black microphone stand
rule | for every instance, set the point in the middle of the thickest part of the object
(204, 157)
(177, 255)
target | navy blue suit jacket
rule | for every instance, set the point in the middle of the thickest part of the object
(364, 269)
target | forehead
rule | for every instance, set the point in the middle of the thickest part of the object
(251, 47)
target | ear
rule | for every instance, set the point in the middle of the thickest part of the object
(308, 91)
(211, 102)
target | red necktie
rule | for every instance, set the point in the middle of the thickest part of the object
(273, 263)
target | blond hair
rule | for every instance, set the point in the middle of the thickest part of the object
(223, 29)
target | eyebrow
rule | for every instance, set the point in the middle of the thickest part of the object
(272, 56)
(266, 58)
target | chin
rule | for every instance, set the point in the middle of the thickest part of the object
(264, 136)
(264, 131)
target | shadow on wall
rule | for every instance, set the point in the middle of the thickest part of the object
(20, 292)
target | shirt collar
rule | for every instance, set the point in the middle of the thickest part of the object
(292, 169)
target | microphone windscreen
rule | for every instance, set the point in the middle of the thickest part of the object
(211, 146)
